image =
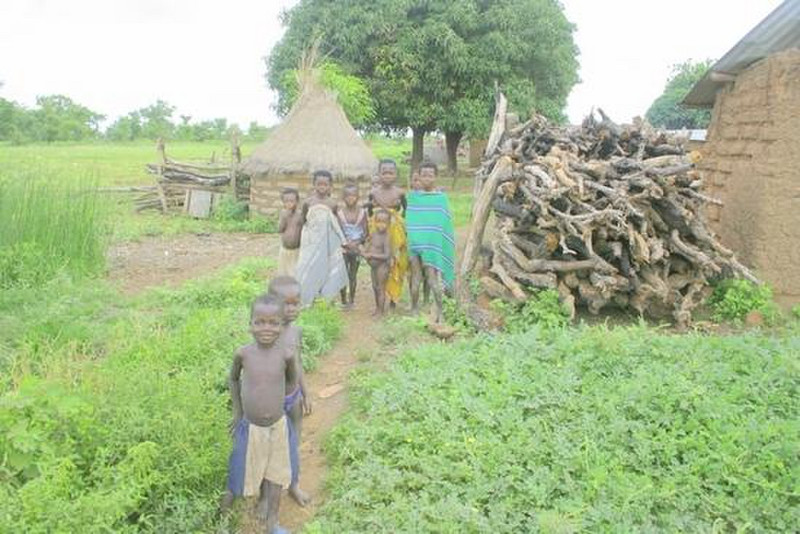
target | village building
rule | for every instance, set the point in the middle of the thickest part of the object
(315, 135)
(751, 156)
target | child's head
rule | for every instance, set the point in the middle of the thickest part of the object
(287, 290)
(382, 220)
(415, 185)
(266, 319)
(322, 181)
(387, 172)
(350, 195)
(290, 198)
(427, 175)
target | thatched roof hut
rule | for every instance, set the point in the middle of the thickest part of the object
(315, 135)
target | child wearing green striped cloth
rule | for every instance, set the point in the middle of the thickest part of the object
(431, 240)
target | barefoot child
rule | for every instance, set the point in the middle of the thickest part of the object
(378, 254)
(297, 402)
(290, 226)
(389, 196)
(259, 463)
(431, 242)
(320, 268)
(353, 220)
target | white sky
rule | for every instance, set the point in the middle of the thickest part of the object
(205, 57)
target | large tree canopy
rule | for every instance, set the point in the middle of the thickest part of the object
(433, 64)
(667, 111)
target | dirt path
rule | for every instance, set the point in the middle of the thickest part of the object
(328, 386)
(170, 261)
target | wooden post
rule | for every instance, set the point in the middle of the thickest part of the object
(480, 214)
(498, 129)
(161, 195)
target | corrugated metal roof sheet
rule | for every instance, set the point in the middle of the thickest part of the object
(780, 30)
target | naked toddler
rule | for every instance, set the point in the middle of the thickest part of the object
(378, 254)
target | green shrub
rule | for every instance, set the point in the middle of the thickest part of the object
(322, 326)
(48, 225)
(455, 316)
(542, 309)
(733, 299)
(585, 429)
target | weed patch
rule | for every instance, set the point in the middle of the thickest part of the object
(585, 429)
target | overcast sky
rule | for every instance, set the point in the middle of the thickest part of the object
(205, 57)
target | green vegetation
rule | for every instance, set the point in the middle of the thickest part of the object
(322, 326)
(434, 65)
(542, 309)
(350, 90)
(114, 413)
(733, 299)
(49, 225)
(667, 111)
(576, 429)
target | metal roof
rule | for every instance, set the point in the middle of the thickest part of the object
(780, 30)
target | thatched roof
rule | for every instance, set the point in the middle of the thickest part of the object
(315, 135)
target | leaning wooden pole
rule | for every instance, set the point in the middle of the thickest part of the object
(480, 215)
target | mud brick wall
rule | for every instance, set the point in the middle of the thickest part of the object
(265, 190)
(751, 161)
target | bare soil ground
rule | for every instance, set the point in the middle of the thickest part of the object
(170, 261)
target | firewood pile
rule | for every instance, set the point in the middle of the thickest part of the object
(175, 180)
(604, 214)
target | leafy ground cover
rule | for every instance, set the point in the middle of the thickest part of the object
(114, 412)
(572, 429)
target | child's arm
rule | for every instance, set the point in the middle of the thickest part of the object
(306, 399)
(403, 203)
(283, 221)
(236, 389)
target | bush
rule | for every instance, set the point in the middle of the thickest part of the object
(733, 299)
(322, 326)
(586, 429)
(542, 309)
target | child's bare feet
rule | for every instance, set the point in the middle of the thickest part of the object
(300, 497)
(262, 508)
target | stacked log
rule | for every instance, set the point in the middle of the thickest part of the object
(175, 179)
(605, 214)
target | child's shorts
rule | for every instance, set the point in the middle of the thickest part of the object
(259, 453)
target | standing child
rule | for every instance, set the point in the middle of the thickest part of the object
(290, 226)
(353, 220)
(416, 185)
(259, 463)
(389, 196)
(431, 241)
(320, 267)
(297, 402)
(378, 253)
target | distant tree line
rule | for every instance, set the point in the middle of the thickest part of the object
(59, 118)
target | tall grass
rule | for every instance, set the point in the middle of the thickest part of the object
(49, 224)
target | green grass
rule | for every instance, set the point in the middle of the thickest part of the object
(573, 429)
(48, 225)
(114, 411)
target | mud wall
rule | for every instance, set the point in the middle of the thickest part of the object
(751, 161)
(265, 190)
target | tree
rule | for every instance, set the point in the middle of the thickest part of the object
(351, 91)
(667, 112)
(432, 64)
(156, 120)
(127, 128)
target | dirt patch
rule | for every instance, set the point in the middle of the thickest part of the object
(170, 261)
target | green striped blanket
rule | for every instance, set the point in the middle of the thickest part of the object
(429, 225)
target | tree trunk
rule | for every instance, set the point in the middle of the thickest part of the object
(418, 146)
(452, 140)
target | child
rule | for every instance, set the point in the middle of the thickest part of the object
(388, 196)
(431, 242)
(378, 254)
(320, 268)
(287, 290)
(259, 463)
(353, 220)
(290, 226)
(416, 185)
